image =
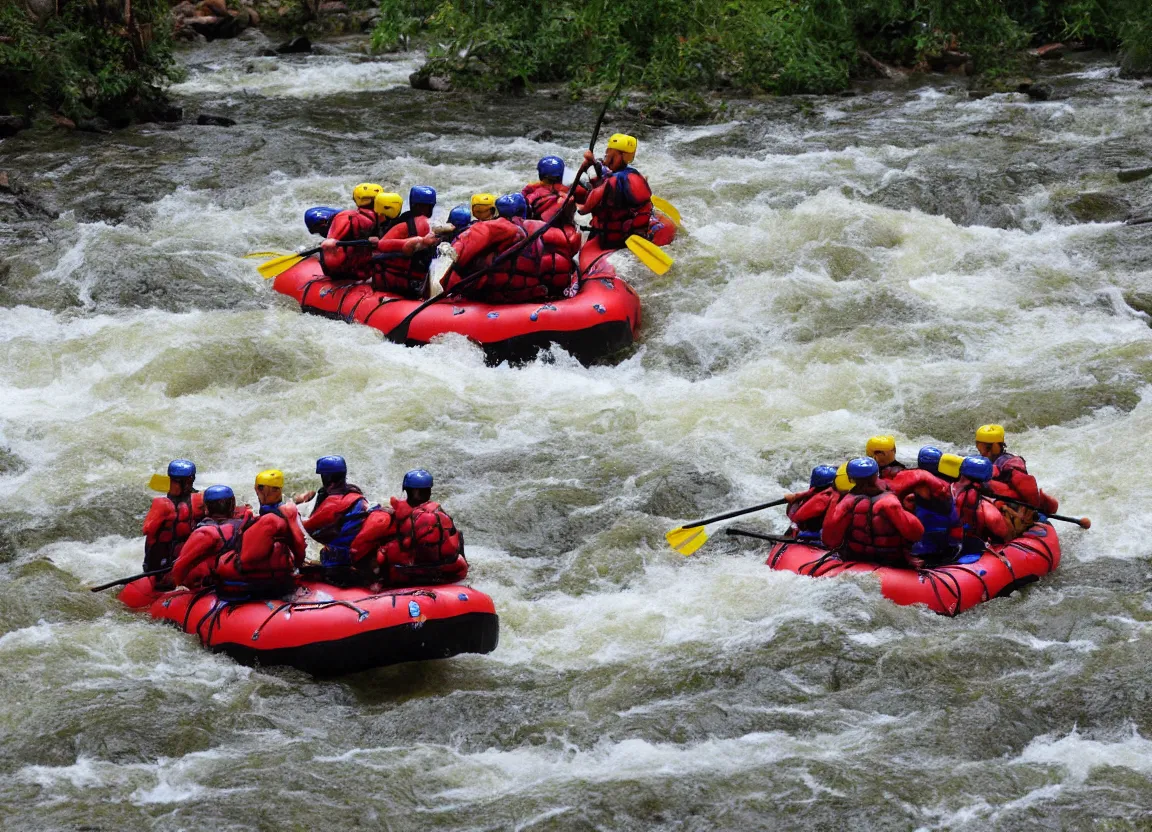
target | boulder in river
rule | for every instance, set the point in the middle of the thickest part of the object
(11, 125)
(1133, 174)
(214, 121)
(434, 83)
(1098, 207)
(1038, 92)
(297, 45)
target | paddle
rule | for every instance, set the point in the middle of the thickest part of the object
(284, 262)
(650, 254)
(1138, 221)
(160, 482)
(775, 538)
(667, 209)
(1082, 522)
(688, 538)
(399, 333)
(130, 579)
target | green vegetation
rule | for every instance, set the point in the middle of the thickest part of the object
(780, 46)
(84, 58)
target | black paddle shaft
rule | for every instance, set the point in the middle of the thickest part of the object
(340, 243)
(399, 333)
(732, 514)
(774, 538)
(992, 495)
(130, 579)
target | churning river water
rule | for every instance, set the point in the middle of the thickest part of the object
(905, 260)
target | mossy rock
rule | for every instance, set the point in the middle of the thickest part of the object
(1098, 207)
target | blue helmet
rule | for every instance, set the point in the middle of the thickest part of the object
(182, 468)
(216, 493)
(976, 468)
(822, 475)
(929, 458)
(861, 468)
(418, 478)
(460, 216)
(551, 166)
(331, 465)
(512, 205)
(421, 195)
(318, 219)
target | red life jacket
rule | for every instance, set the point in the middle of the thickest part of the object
(351, 263)
(169, 522)
(539, 271)
(621, 206)
(1010, 478)
(544, 199)
(871, 536)
(889, 471)
(269, 548)
(978, 516)
(426, 548)
(395, 271)
(212, 540)
(336, 520)
(808, 511)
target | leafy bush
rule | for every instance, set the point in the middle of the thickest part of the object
(778, 46)
(86, 60)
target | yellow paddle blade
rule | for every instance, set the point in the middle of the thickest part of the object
(160, 482)
(667, 208)
(650, 254)
(253, 254)
(686, 541)
(278, 265)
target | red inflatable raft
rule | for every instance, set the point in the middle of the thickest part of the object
(326, 630)
(601, 319)
(948, 589)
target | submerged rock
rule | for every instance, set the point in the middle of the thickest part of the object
(215, 121)
(296, 46)
(1133, 174)
(11, 125)
(1098, 207)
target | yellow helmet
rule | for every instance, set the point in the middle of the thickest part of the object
(364, 194)
(880, 443)
(487, 200)
(271, 477)
(949, 465)
(388, 205)
(843, 484)
(990, 433)
(624, 143)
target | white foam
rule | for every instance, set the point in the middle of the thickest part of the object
(310, 76)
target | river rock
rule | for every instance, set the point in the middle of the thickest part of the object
(63, 123)
(434, 83)
(1133, 174)
(1098, 207)
(94, 125)
(332, 7)
(11, 125)
(1038, 92)
(298, 45)
(214, 121)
